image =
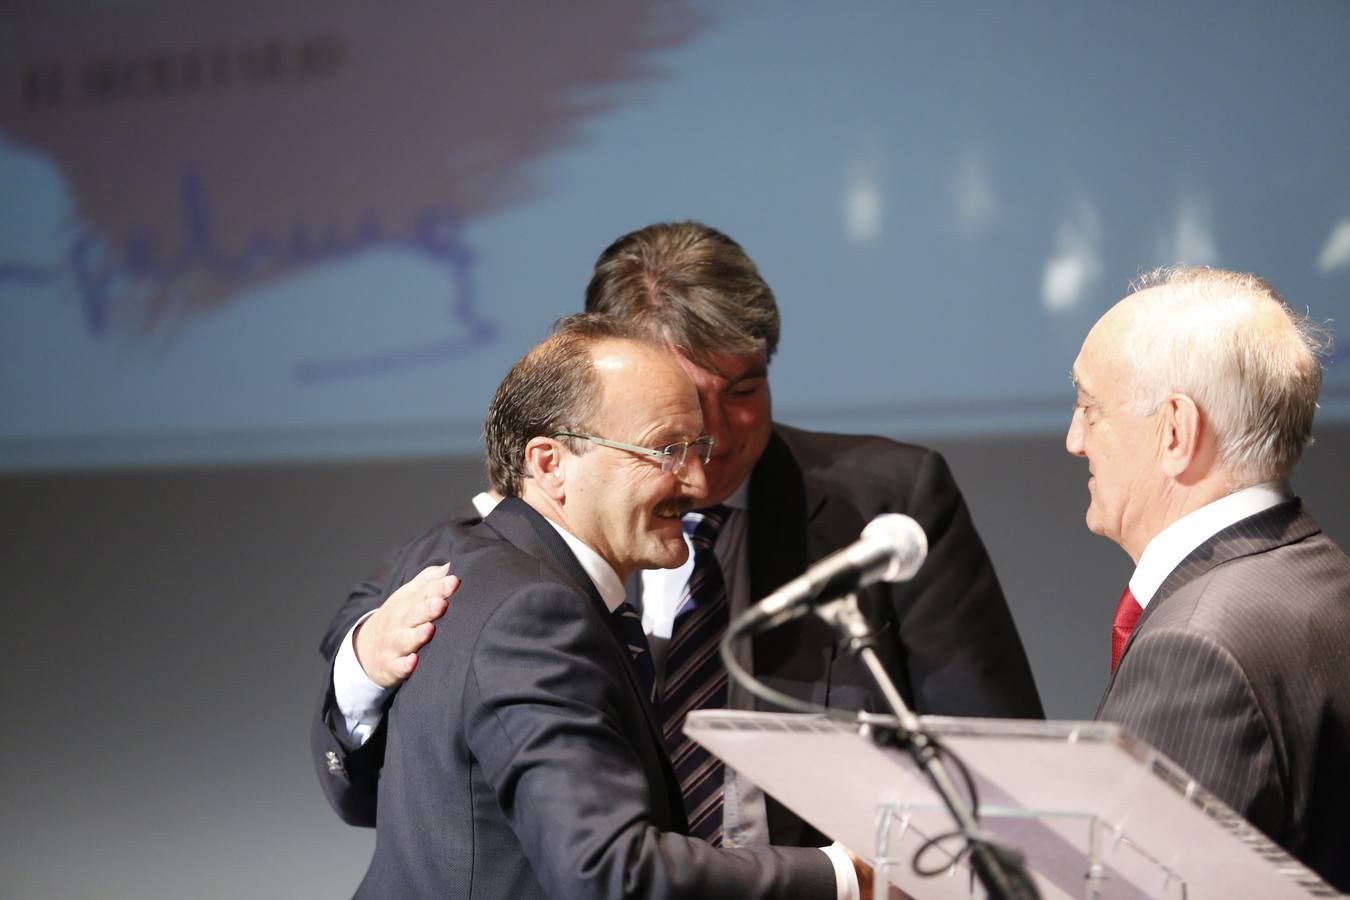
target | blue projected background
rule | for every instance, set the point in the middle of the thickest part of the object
(292, 231)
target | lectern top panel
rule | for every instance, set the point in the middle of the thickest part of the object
(1098, 812)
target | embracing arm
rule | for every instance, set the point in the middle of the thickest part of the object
(965, 656)
(346, 733)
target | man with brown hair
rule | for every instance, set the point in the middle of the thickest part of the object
(781, 498)
(524, 758)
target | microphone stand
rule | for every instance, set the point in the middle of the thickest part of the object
(1000, 869)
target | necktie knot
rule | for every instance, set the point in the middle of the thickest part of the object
(1127, 616)
(703, 526)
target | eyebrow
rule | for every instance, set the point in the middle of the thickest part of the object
(752, 372)
(1078, 386)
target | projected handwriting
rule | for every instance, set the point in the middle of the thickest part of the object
(99, 272)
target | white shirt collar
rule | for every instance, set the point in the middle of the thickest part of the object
(484, 503)
(602, 574)
(1175, 542)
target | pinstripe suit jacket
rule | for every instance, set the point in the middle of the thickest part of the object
(1239, 671)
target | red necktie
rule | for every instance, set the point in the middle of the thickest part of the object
(1128, 612)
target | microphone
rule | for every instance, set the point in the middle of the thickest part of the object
(891, 548)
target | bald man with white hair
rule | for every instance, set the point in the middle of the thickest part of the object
(1231, 645)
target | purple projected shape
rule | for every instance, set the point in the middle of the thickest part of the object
(210, 153)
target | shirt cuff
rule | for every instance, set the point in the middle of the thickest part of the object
(845, 875)
(360, 700)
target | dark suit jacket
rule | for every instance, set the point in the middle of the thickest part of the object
(948, 637)
(1239, 671)
(524, 760)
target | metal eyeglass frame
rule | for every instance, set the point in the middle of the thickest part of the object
(672, 456)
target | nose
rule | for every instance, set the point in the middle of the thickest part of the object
(1073, 440)
(692, 476)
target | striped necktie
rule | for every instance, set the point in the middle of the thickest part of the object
(630, 630)
(695, 677)
(1127, 616)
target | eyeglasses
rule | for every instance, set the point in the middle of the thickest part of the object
(672, 456)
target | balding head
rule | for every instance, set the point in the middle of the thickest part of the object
(1200, 383)
(1231, 343)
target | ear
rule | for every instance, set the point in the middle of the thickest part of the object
(1182, 429)
(544, 465)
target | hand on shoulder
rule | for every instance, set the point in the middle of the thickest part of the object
(388, 641)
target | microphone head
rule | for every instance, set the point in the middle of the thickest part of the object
(905, 541)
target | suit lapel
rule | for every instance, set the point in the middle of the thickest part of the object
(783, 504)
(778, 514)
(1285, 523)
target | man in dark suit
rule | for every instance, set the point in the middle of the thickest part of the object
(791, 498)
(1195, 399)
(523, 757)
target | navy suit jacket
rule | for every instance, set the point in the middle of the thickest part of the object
(947, 637)
(1239, 671)
(523, 758)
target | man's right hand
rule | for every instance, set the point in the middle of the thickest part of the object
(867, 885)
(386, 643)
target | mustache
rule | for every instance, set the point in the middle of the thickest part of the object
(674, 508)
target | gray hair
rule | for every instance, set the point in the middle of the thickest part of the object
(1229, 342)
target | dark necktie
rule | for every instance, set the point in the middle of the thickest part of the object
(1128, 612)
(695, 677)
(630, 629)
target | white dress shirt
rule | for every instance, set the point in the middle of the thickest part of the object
(1175, 542)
